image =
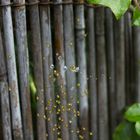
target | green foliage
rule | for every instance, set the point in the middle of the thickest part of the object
(133, 113)
(129, 129)
(136, 17)
(126, 131)
(33, 91)
(119, 7)
(137, 127)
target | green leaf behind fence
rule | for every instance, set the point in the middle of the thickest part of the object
(126, 131)
(133, 113)
(119, 7)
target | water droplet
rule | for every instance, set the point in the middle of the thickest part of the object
(9, 56)
(90, 133)
(78, 84)
(72, 88)
(52, 66)
(10, 89)
(65, 68)
(37, 98)
(84, 128)
(78, 20)
(38, 114)
(73, 68)
(59, 58)
(44, 117)
(72, 131)
(46, 135)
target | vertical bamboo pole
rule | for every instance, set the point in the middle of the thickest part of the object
(136, 47)
(92, 72)
(48, 72)
(23, 67)
(101, 75)
(12, 72)
(38, 69)
(110, 69)
(1, 133)
(70, 61)
(130, 98)
(119, 65)
(60, 63)
(4, 97)
(81, 61)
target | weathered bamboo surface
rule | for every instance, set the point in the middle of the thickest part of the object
(12, 71)
(84, 66)
(110, 56)
(4, 97)
(23, 68)
(101, 75)
(36, 47)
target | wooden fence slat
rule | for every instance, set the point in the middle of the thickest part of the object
(81, 62)
(92, 73)
(136, 47)
(38, 69)
(12, 72)
(110, 69)
(119, 66)
(101, 75)
(23, 68)
(60, 63)
(4, 97)
(48, 72)
(69, 45)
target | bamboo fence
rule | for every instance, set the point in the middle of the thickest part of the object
(68, 69)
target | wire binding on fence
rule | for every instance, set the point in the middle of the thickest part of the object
(49, 3)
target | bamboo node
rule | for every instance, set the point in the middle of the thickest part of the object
(5, 5)
(66, 2)
(32, 3)
(16, 5)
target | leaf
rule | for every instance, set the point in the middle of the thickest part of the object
(119, 7)
(125, 131)
(133, 113)
(137, 126)
(136, 17)
(32, 85)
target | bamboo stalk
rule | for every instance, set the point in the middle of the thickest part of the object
(92, 72)
(1, 133)
(101, 75)
(119, 66)
(110, 69)
(23, 68)
(12, 72)
(81, 62)
(38, 69)
(60, 63)
(70, 61)
(136, 47)
(48, 72)
(130, 98)
(4, 97)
